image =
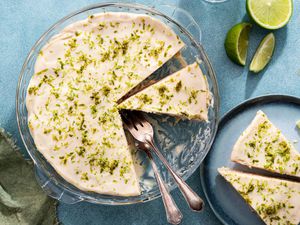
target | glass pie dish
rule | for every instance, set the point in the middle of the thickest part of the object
(184, 143)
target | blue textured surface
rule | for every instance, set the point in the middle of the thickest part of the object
(23, 21)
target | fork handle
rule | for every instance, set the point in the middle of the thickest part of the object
(174, 215)
(193, 200)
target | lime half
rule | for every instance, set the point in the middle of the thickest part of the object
(263, 53)
(270, 14)
(236, 43)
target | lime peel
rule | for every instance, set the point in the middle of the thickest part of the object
(263, 53)
(298, 124)
(236, 43)
(270, 14)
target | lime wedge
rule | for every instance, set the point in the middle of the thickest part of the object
(298, 124)
(270, 14)
(236, 42)
(263, 53)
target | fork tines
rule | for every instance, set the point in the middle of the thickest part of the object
(135, 119)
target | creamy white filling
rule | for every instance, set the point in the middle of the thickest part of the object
(262, 145)
(184, 93)
(276, 201)
(71, 98)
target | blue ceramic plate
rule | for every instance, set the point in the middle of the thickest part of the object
(227, 204)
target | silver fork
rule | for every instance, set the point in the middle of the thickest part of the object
(174, 216)
(142, 131)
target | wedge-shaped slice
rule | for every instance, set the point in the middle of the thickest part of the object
(263, 146)
(276, 201)
(184, 93)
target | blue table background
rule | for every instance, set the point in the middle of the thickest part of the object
(23, 21)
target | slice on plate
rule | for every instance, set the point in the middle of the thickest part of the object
(263, 146)
(276, 201)
(184, 94)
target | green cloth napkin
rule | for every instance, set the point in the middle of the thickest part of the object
(22, 201)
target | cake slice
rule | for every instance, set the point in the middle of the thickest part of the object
(184, 94)
(276, 201)
(263, 146)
